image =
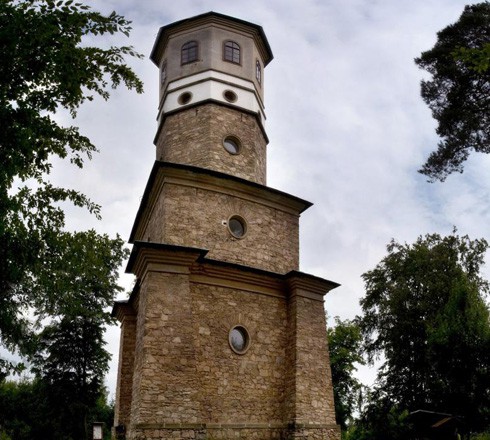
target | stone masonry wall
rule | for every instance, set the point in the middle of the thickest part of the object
(195, 217)
(290, 376)
(125, 371)
(139, 354)
(240, 389)
(325, 432)
(189, 384)
(165, 372)
(188, 373)
(195, 137)
(313, 393)
(238, 432)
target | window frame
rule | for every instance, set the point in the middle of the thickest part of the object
(188, 48)
(234, 48)
(246, 336)
(243, 224)
(258, 71)
(235, 141)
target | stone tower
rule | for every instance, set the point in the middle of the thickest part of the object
(222, 337)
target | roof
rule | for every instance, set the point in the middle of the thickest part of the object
(433, 421)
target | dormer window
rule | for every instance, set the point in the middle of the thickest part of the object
(232, 52)
(189, 52)
(258, 72)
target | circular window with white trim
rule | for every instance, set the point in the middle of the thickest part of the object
(237, 226)
(239, 339)
(184, 98)
(230, 95)
(232, 144)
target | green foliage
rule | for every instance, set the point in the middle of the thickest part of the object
(48, 65)
(23, 410)
(26, 412)
(83, 266)
(70, 357)
(424, 310)
(345, 352)
(72, 365)
(481, 436)
(102, 412)
(476, 59)
(458, 93)
(381, 419)
(75, 285)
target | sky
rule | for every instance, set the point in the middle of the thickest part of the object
(347, 129)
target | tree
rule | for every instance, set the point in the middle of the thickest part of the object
(103, 412)
(459, 92)
(16, 410)
(73, 366)
(71, 359)
(424, 310)
(46, 66)
(26, 414)
(381, 419)
(476, 59)
(345, 351)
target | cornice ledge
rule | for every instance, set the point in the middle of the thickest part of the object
(214, 180)
(206, 178)
(227, 274)
(303, 284)
(148, 255)
(163, 115)
(312, 425)
(123, 310)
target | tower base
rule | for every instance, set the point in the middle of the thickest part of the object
(238, 431)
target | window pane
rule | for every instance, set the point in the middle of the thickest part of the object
(231, 146)
(232, 52)
(238, 340)
(236, 228)
(189, 52)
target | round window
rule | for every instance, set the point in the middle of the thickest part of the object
(237, 226)
(184, 98)
(230, 96)
(239, 339)
(232, 145)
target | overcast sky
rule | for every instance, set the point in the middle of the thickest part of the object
(347, 128)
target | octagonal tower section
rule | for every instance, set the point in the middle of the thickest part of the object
(211, 108)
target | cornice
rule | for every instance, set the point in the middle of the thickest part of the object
(235, 276)
(162, 116)
(123, 310)
(156, 257)
(300, 281)
(195, 177)
(162, 258)
(216, 75)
